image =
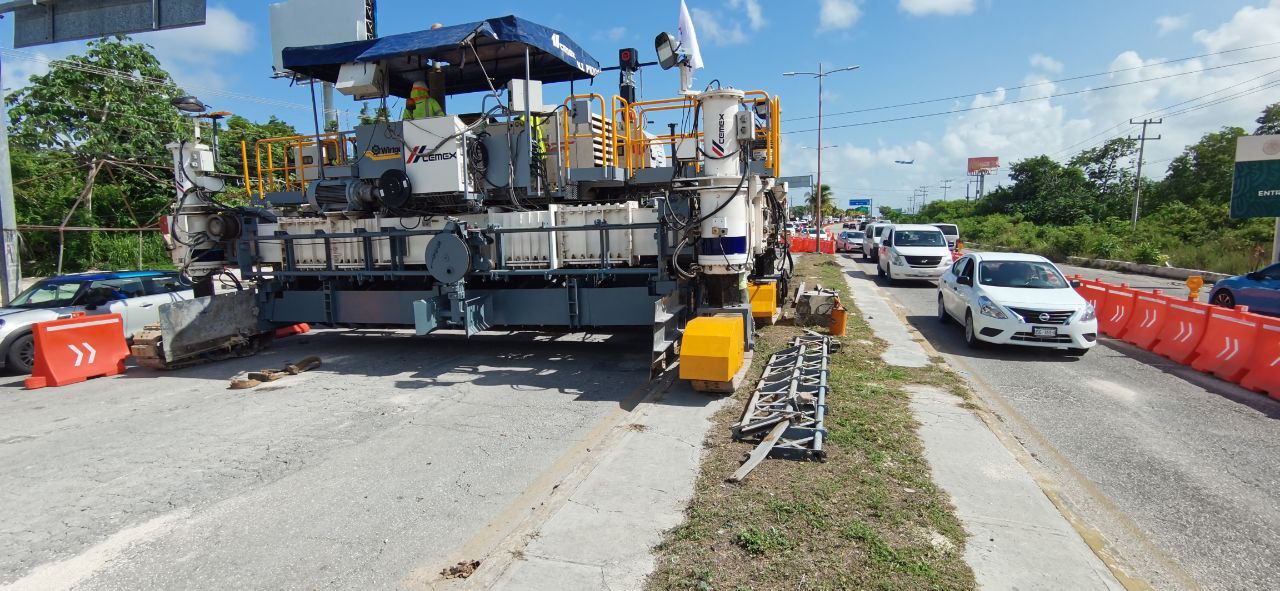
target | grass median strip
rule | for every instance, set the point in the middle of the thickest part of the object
(867, 518)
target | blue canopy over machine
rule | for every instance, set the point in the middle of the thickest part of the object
(472, 56)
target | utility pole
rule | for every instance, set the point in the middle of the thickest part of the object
(924, 196)
(946, 184)
(820, 75)
(1137, 181)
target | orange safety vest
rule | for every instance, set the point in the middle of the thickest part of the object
(420, 105)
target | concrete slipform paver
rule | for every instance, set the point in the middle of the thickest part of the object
(1017, 537)
(397, 458)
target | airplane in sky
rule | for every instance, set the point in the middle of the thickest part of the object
(911, 161)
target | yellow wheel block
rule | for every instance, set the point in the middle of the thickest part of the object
(764, 298)
(712, 348)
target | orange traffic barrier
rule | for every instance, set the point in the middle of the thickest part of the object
(1116, 310)
(71, 350)
(1228, 340)
(1094, 292)
(1264, 366)
(292, 329)
(1147, 320)
(1183, 330)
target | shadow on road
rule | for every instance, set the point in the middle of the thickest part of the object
(592, 367)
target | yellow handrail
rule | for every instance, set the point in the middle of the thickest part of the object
(606, 129)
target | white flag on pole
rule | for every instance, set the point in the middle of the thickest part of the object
(689, 38)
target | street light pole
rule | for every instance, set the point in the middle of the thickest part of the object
(820, 74)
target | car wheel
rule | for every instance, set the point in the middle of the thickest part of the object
(943, 316)
(879, 270)
(1224, 298)
(889, 273)
(1075, 352)
(22, 354)
(971, 337)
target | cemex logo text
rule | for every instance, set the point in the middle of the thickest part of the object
(423, 154)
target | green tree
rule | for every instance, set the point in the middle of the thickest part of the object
(1201, 175)
(1043, 191)
(1110, 178)
(1269, 121)
(110, 103)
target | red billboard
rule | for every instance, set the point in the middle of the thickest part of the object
(983, 164)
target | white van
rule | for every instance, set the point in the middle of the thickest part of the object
(871, 241)
(913, 251)
(951, 231)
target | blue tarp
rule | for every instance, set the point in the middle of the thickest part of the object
(499, 42)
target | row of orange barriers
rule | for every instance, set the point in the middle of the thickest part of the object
(806, 244)
(1233, 344)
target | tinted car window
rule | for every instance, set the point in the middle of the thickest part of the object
(161, 285)
(46, 295)
(1272, 272)
(948, 229)
(117, 289)
(879, 231)
(918, 238)
(1030, 274)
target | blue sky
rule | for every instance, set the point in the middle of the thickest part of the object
(908, 50)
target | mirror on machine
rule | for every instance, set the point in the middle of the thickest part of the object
(665, 45)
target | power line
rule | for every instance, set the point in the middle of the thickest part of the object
(1218, 101)
(1033, 85)
(1027, 100)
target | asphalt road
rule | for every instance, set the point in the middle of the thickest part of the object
(369, 472)
(1178, 472)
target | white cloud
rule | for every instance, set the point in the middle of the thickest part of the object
(945, 7)
(613, 33)
(1046, 63)
(18, 70)
(838, 14)
(1169, 23)
(192, 54)
(715, 30)
(1062, 127)
(755, 15)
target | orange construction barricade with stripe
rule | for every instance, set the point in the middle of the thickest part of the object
(1264, 367)
(1183, 330)
(71, 350)
(1149, 313)
(1228, 341)
(1094, 292)
(1116, 310)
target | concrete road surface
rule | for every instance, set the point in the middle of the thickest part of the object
(377, 470)
(1174, 475)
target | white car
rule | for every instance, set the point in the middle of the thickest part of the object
(1016, 299)
(913, 251)
(135, 295)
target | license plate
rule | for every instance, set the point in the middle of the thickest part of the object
(1044, 331)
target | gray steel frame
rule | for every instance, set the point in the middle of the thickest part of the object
(793, 390)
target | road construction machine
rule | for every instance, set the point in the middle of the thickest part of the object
(585, 213)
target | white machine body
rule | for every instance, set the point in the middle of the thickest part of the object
(431, 169)
(724, 246)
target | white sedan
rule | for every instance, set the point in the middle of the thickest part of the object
(1016, 299)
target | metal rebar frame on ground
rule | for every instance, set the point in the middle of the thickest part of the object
(787, 409)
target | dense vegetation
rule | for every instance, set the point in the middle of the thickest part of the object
(101, 120)
(1083, 207)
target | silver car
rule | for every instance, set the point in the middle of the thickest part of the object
(134, 295)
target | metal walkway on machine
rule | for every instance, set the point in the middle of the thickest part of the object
(787, 408)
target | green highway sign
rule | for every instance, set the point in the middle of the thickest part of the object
(1255, 186)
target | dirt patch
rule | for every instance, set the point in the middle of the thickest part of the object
(868, 517)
